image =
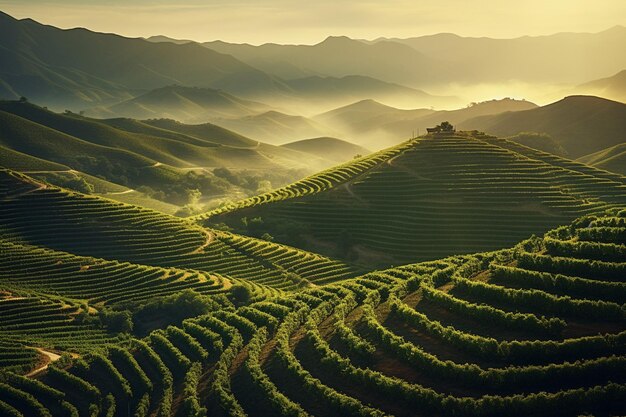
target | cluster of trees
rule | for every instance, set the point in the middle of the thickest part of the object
(273, 229)
(174, 308)
(186, 189)
(71, 182)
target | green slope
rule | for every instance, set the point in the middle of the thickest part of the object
(42, 215)
(161, 157)
(205, 131)
(611, 159)
(183, 146)
(186, 104)
(331, 148)
(429, 198)
(534, 330)
(275, 127)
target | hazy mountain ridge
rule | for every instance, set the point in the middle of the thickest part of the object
(561, 57)
(163, 158)
(378, 125)
(276, 127)
(127, 63)
(611, 159)
(332, 148)
(613, 87)
(186, 104)
(581, 124)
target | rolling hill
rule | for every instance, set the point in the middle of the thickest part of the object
(611, 159)
(444, 58)
(92, 226)
(613, 87)
(376, 125)
(185, 104)
(366, 115)
(581, 124)
(165, 156)
(276, 127)
(533, 330)
(428, 198)
(331, 148)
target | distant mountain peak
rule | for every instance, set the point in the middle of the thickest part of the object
(338, 40)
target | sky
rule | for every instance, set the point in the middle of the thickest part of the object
(311, 21)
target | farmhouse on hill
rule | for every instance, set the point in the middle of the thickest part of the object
(444, 127)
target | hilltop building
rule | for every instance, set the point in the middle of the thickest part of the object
(444, 127)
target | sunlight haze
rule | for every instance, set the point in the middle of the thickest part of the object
(308, 22)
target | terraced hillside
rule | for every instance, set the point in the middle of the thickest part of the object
(428, 198)
(535, 330)
(34, 213)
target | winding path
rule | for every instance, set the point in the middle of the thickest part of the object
(50, 357)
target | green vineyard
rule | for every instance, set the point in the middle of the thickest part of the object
(109, 309)
(430, 198)
(239, 209)
(538, 329)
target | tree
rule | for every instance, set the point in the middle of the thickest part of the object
(23, 99)
(446, 126)
(116, 321)
(240, 294)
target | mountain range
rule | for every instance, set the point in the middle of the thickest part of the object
(79, 69)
